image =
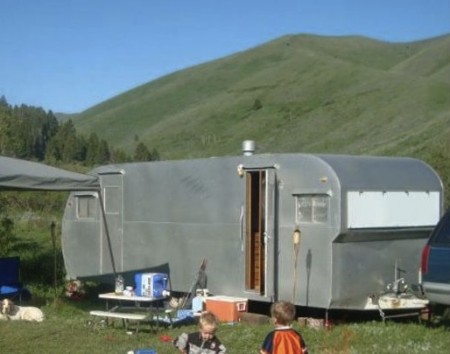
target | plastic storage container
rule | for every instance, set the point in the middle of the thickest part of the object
(145, 351)
(151, 284)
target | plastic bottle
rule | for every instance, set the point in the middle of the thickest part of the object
(197, 302)
(119, 285)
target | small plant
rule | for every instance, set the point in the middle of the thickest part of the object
(257, 104)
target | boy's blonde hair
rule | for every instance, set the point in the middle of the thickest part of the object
(283, 312)
(207, 319)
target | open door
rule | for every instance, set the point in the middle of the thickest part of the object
(259, 231)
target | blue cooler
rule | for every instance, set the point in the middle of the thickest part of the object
(151, 284)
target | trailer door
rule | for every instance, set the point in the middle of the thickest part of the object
(259, 232)
(113, 206)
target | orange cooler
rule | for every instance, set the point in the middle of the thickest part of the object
(226, 308)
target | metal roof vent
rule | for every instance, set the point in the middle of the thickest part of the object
(248, 147)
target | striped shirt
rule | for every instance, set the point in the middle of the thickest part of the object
(284, 340)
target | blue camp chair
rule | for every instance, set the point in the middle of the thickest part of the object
(10, 284)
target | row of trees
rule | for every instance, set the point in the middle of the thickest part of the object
(33, 134)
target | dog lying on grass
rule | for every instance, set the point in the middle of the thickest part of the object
(27, 313)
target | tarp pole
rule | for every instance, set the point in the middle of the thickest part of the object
(111, 255)
(53, 236)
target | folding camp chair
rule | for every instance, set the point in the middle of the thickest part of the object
(10, 284)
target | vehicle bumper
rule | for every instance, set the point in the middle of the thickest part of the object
(437, 292)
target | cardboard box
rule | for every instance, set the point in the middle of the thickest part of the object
(226, 308)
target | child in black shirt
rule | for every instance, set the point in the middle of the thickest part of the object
(204, 341)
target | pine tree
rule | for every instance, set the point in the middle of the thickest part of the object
(142, 153)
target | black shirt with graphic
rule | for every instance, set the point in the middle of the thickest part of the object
(194, 344)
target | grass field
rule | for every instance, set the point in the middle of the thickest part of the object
(66, 330)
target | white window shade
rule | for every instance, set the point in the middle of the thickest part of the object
(371, 209)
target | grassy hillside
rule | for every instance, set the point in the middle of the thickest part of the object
(297, 93)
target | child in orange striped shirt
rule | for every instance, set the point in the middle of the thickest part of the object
(283, 339)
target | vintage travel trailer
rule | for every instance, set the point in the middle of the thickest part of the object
(324, 231)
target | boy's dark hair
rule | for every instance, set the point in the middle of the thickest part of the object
(283, 312)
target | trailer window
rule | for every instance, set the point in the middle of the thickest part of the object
(86, 206)
(112, 200)
(312, 208)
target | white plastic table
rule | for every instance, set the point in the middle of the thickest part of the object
(133, 311)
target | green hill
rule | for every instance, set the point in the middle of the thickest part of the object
(299, 93)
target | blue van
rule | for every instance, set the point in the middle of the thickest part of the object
(435, 264)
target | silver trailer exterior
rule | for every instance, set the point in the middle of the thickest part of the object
(324, 231)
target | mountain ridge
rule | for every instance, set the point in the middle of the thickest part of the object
(303, 93)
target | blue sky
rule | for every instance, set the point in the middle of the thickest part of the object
(68, 55)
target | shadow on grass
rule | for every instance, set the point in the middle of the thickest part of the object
(439, 316)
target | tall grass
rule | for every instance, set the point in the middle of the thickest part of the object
(66, 330)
